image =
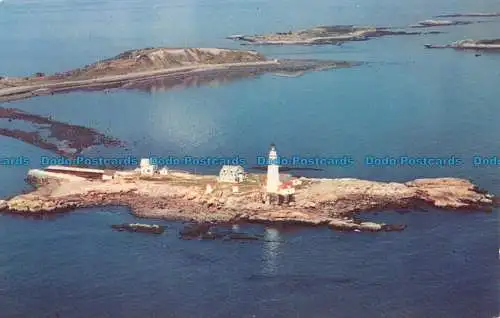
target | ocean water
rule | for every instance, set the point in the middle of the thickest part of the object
(405, 101)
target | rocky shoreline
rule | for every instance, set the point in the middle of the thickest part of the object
(147, 68)
(317, 202)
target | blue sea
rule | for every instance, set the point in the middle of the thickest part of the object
(405, 100)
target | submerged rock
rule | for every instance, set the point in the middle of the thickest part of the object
(48, 134)
(469, 15)
(209, 231)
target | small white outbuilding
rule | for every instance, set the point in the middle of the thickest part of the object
(233, 174)
(147, 169)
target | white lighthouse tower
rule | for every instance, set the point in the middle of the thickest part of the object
(273, 173)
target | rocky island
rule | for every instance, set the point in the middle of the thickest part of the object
(180, 195)
(477, 45)
(324, 35)
(134, 68)
(439, 23)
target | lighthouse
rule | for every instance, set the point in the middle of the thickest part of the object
(273, 173)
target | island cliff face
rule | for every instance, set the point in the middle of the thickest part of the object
(333, 202)
(174, 66)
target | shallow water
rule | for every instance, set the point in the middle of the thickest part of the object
(405, 101)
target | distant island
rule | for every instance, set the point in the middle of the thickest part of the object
(336, 34)
(236, 196)
(136, 68)
(481, 45)
(469, 15)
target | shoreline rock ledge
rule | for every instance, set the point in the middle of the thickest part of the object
(336, 203)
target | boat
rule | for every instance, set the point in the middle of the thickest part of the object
(138, 227)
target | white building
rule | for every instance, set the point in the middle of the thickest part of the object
(163, 171)
(145, 162)
(147, 169)
(273, 172)
(232, 174)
